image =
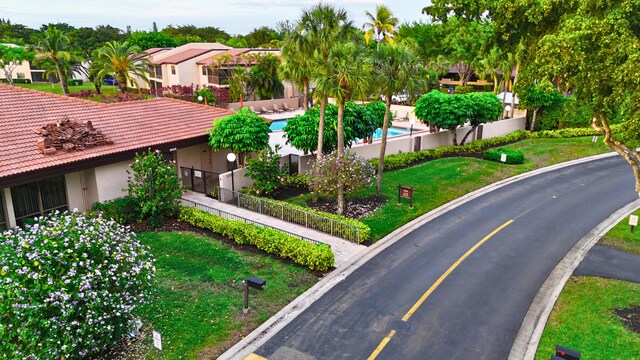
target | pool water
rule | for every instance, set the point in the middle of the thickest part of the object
(278, 125)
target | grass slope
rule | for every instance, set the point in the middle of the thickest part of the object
(57, 89)
(621, 237)
(199, 302)
(583, 319)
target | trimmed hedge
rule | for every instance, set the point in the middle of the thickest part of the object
(75, 82)
(290, 213)
(16, 81)
(315, 257)
(124, 210)
(513, 156)
(476, 148)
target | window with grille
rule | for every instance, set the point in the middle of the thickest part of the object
(20, 75)
(38, 198)
(204, 70)
(3, 218)
(173, 70)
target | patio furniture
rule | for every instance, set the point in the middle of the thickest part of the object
(254, 110)
(405, 117)
(265, 110)
(394, 115)
(277, 109)
(287, 108)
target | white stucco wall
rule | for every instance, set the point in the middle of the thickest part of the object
(76, 198)
(111, 180)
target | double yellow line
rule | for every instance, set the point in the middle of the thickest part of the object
(433, 287)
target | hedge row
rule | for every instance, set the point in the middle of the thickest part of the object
(513, 156)
(476, 148)
(296, 214)
(315, 257)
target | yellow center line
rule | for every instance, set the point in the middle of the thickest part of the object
(435, 285)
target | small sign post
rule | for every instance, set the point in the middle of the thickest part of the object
(406, 193)
(157, 342)
(503, 158)
(594, 139)
(633, 222)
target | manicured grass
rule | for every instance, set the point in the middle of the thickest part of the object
(440, 181)
(199, 300)
(583, 319)
(621, 237)
(57, 89)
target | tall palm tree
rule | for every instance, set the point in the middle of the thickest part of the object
(295, 68)
(397, 68)
(263, 77)
(346, 74)
(380, 26)
(55, 46)
(120, 59)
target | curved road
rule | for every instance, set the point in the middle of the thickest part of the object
(476, 311)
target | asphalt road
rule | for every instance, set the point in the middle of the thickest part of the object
(476, 311)
(610, 263)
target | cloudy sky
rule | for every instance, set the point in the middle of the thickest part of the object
(232, 16)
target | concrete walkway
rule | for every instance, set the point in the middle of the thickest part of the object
(610, 263)
(343, 250)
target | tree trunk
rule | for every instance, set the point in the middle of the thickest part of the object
(533, 120)
(7, 74)
(495, 83)
(513, 95)
(383, 144)
(473, 128)
(341, 201)
(628, 153)
(323, 107)
(61, 76)
(306, 95)
(122, 83)
(454, 136)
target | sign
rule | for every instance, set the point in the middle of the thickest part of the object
(633, 220)
(157, 340)
(405, 192)
(503, 157)
(197, 173)
(594, 139)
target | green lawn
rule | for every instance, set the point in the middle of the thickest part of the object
(57, 89)
(621, 237)
(199, 302)
(583, 319)
(440, 181)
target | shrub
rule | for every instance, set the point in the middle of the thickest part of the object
(513, 156)
(315, 257)
(70, 285)
(266, 171)
(297, 180)
(464, 89)
(155, 184)
(125, 210)
(354, 171)
(75, 82)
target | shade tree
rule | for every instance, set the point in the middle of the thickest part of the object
(243, 132)
(12, 57)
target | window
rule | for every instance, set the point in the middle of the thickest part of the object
(20, 75)
(158, 71)
(38, 198)
(173, 70)
(3, 218)
(204, 70)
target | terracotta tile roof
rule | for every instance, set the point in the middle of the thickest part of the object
(185, 55)
(235, 56)
(131, 125)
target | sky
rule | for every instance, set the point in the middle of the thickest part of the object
(232, 16)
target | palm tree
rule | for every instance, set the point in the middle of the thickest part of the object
(263, 77)
(55, 46)
(294, 68)
(397, 68)
(346, 74)
(125, 62)
(381, 26)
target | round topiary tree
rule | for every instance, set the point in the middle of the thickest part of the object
(243, 132)
(69, 286)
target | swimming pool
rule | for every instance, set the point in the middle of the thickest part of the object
(278, 125)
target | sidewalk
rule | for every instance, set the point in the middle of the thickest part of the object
(343, 250)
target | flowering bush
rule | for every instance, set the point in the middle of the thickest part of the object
(266, 171)
(69, 286)
(354, 170)
(156, 185)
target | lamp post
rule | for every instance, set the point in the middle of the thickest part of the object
(412, 121)
(231, 158)
(507, 109)
(200, 98)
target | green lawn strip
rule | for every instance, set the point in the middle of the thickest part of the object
(621, 237)
(583, 319)
(199, 299)
(57, 89)
(437, 182)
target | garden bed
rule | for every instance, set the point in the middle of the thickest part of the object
(355, 208)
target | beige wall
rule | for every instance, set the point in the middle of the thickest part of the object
(75, 194)
(197, 157)
(291, 102)
(23, 68)
(111, 180)
(88, 179)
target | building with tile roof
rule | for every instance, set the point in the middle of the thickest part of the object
(34, 182)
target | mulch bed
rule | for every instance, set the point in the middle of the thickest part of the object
(354, 209)
(289, 192)
(630, 317)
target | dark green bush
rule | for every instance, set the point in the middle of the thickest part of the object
(487, 87)
(125, 210)
(513, 156)
(464, 89)
(75, 82)
(16, 81)
(444, 90)
(315, 257)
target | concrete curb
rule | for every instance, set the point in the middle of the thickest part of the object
(274, 324)
(526, 343)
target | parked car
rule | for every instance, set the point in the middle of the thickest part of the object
(110, 81)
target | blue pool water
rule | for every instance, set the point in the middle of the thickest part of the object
(277, 125)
